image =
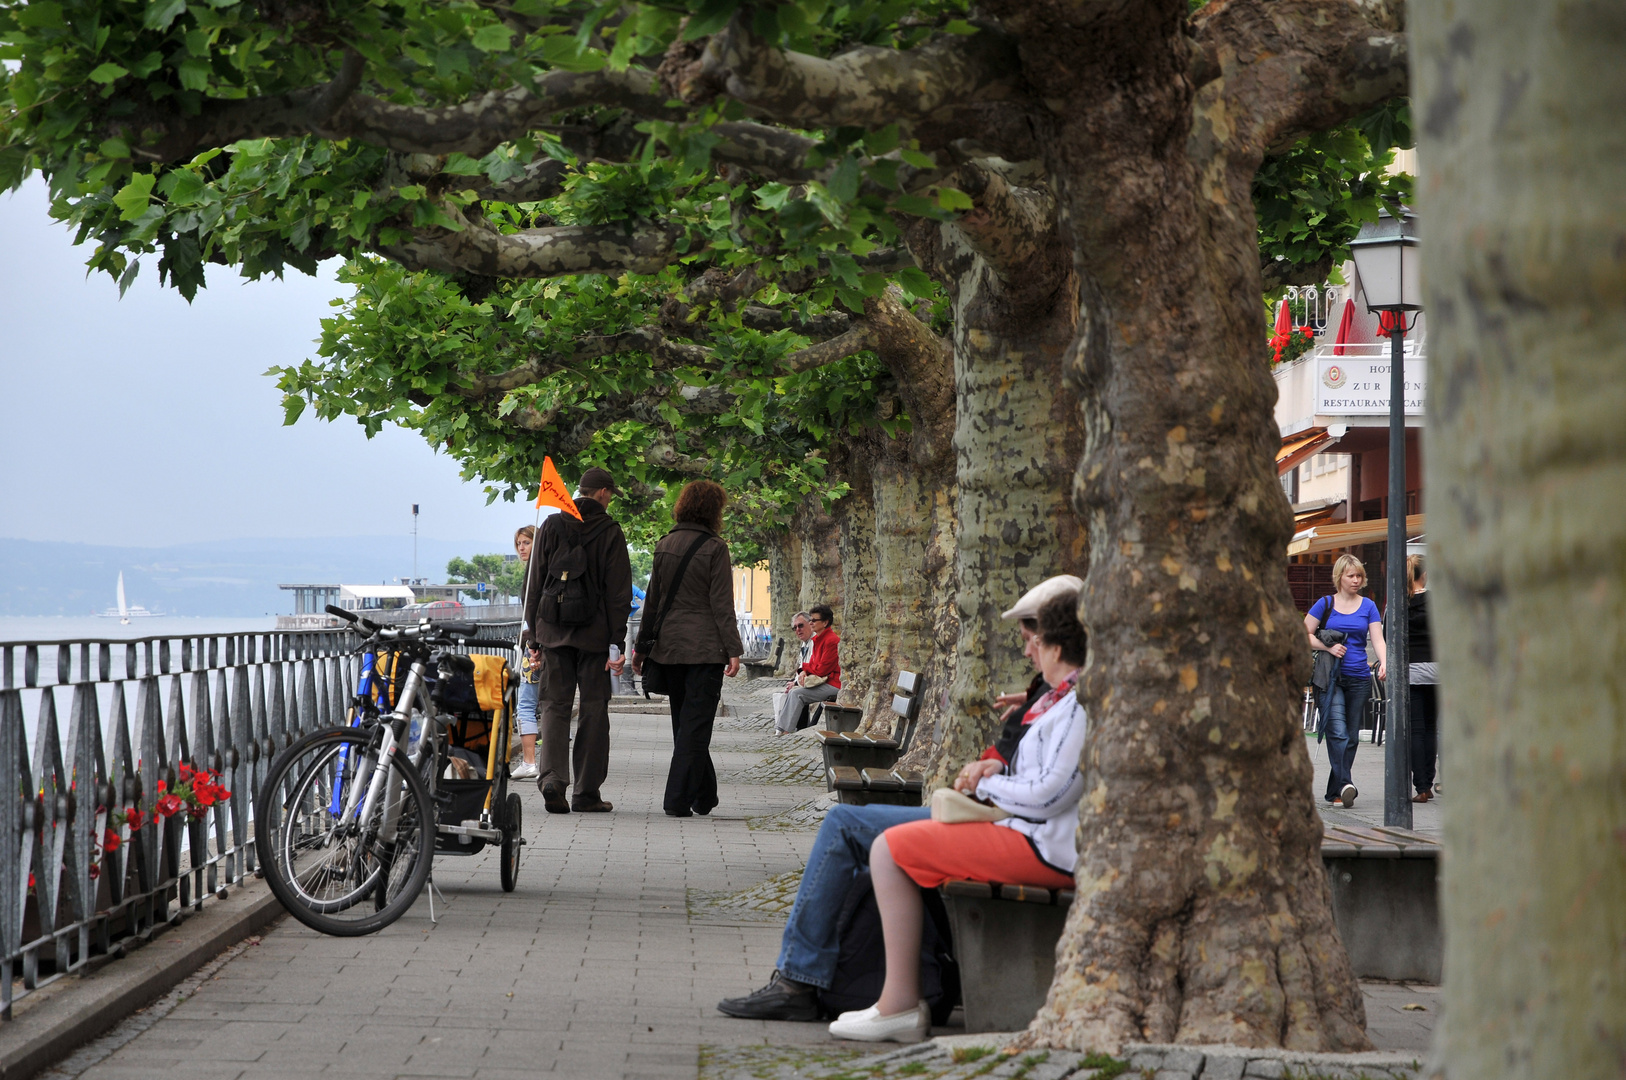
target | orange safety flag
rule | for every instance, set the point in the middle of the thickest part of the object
(553, 491)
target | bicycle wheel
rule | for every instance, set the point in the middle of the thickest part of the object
(513, 836)
(325, 853)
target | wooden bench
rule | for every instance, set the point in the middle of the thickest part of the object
(1385, 903)
(861, 769)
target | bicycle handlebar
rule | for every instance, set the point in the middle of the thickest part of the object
(352, 618)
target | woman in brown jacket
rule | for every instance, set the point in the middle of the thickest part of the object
(698, 640)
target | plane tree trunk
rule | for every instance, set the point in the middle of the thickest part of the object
(784, 592)
(1520, 130)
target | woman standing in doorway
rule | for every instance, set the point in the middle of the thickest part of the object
(689, 629)
(1345, 700)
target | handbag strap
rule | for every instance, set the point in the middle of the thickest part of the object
(677, 579)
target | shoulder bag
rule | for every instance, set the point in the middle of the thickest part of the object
(654, 674)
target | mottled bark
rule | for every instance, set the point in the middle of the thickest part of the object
(1521, 133)
(856, 545)
(821, 559)
(1016, 438)
(785, 591)
(1202, 912)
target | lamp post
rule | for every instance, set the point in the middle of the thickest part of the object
(1386, 258)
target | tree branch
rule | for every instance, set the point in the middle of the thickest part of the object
(334, 111)
(1013, 228)
(869, 86)
(536, 253)
(1290, 68)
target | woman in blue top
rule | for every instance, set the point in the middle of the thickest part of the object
(1345, 700)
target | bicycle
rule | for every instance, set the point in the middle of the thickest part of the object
(350, 818)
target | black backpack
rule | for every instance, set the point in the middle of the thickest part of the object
(861, 963)
(569, 596)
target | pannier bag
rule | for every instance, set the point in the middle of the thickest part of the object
(861, 963)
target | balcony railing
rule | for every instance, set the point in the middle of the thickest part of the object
(1316, 306)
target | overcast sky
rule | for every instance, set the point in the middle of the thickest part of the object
(149, 421)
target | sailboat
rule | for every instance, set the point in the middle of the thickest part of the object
(124, 612)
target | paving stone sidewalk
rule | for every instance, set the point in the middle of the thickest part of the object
(607, 962)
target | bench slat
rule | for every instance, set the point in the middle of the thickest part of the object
(1029, 894)
(958, 887)
(846, 777)
(911, 781)
(881, 780)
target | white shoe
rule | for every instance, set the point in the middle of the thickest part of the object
(1347, 796)
(525, 770)
(906, 1027)
(860, 1014)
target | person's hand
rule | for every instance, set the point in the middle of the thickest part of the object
(637, 663)
(615, 666)
(1005, 701)
(1383, 670)
(1339, 650)
(733, 667)
(970, 776)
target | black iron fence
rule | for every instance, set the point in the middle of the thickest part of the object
(86, 864)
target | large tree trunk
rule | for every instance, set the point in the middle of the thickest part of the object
(1016, 439)
(821, 558)
(1524, 153)
(1202, 911)
(855, 514)
(784, 592)
(914, 593)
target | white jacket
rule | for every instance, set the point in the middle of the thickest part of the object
(1043, 785)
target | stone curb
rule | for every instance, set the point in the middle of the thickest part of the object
(54, 1021)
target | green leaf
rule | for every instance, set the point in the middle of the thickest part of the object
(959, 26)
(114, 148)
(881, 142)
(712, 17)
(917, 159)
(46, 15)
(461, 165)
(106, 73)
(129, 275)
(915, 281)
(954, 199)
(194, 73)
(844, 181)
(160, 13)
(493, 38)
(132, 198)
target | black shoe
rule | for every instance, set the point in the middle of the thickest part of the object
(781, 999)
(591, 806)
(703, 810)
(685, 812)
(553, 796)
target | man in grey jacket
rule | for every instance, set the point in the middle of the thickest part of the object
(578, 657)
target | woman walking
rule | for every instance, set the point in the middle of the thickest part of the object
(689, 630)
(531, 669)
(1345, 700)
(1421, 679)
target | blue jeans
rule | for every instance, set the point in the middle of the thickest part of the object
(1341, 710)
(811, 944)
(527, 707)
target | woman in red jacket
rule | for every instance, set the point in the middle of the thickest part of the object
(820, 678)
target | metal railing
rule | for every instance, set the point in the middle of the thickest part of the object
(68, 893)
(756, 637)
(1316, 306)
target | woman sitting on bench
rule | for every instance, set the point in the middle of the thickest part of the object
(1033, 846)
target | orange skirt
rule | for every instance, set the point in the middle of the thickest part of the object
(931, 853)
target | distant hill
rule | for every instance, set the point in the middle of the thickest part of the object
(221, 578)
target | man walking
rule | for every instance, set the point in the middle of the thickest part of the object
(577, 611)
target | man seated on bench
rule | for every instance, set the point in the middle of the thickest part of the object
(1032, 845)
(807, 957)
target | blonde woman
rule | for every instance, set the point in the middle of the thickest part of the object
(1345, 700)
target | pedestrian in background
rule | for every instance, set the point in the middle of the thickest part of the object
(819, 678)
(576, 654)
(1345, 700)
(689, 629)
(1421, 679)
(530, 673)
(802, 626)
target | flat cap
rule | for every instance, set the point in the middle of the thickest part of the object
(1036, 597)
(596, 479)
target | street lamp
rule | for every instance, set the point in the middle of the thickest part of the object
(1387, 260)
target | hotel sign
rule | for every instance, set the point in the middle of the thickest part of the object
(1359, 386)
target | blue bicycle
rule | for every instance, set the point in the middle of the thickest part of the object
(350, 818)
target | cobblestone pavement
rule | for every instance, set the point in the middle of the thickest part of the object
(1368, 778)
(607, 962)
